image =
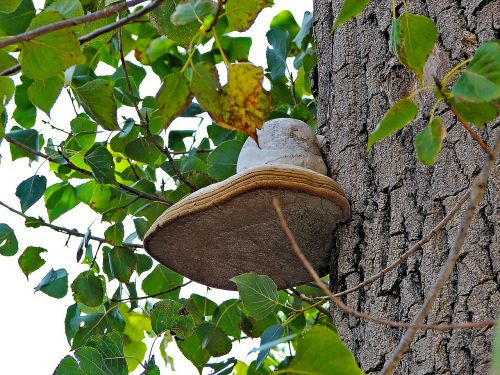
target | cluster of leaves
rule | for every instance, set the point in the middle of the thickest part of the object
(112, 163)
(474, 97)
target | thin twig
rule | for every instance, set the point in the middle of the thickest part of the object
(342, 306)
(31, 34)
(70, 232)
(127, 76)
(166, 152)
(411, 251)
(70, 165)
(98, 32)
(152, 295)
(472, 133)
(310, 301)
(476, 194)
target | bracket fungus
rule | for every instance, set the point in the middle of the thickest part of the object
(230, 228)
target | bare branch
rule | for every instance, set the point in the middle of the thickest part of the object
(342, 306)
(70, 232)
(70, 165)
(31, 34)
(411, 251)
(476, 194)
(98, 32)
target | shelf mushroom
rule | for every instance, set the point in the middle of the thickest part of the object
(230, 228)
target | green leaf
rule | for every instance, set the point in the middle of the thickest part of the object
(191, 349)
(322, 350)
(25, 112)
(6, 61)
(396, 118)
(92, 362)
(110, 345)
(428, 142)
(478, 113)
(44, 93)
(161, 19)
(412, 40)
(83, 132)
(54, 284)
(305, 29)
(222, 161)
(101, 162)
(30, 260)
(144, 150)
(99, 103)
(8, 241)
(68, 8)
(242, 14)
(270, 335)
(122, 262)
(144, 263)
(200, 307)
(279, 39)
(88, 289)
(95, 195)
(174, 96)
(49, 54)
(219, 134)
(192, 10)
(481, 81)
(7, 89)
(8, 6)
(29, 138)
(17, 21)
(228, 317)
(115, 234)
(59, 199)
(162, 279)
(213, 339)
(205, 86)
(68, 366)
(350, 9)
(258, 293)
(286, 20)
(31, 190)
(170, 315)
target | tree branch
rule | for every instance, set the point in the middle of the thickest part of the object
(70, 232)
(411, 251)
(31, 34)
(342, 306)
(98, 32)
(476, 194)
(70, 165)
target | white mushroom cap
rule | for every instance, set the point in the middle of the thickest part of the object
(230, 228)
(283, 141)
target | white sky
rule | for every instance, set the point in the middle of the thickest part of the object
(32, 339)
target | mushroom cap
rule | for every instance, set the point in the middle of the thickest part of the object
(230, 228)
(283, 141)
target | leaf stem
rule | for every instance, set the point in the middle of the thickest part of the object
(454, 71)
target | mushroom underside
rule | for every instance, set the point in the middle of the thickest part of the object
(229, 237)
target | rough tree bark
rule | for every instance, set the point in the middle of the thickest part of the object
(395, 200)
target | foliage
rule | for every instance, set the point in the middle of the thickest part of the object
(113, 163)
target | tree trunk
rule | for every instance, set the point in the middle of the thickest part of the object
(395, 200)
